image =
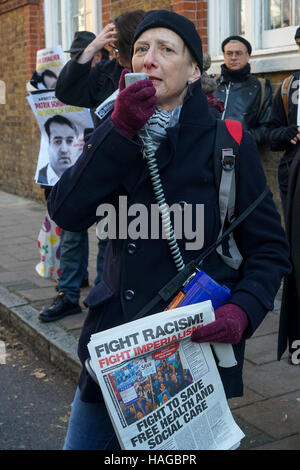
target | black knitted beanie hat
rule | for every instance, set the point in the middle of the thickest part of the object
(177, 23)
(237, 38)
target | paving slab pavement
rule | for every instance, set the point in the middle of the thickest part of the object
(269, 411)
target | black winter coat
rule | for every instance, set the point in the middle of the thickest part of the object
(112, 165)
(289, 178)
(289, 325)
(242, 102)
(277, 127)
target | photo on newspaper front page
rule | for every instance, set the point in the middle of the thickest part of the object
(163, 391)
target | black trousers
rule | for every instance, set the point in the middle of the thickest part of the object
(283, 181)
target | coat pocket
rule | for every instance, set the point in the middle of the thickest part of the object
(99, 294)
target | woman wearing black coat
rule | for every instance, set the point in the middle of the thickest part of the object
(174, 110)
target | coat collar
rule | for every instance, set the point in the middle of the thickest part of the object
(241, 75)
(194, 112)
(195, 108)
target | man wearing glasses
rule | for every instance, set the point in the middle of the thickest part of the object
(247, 98)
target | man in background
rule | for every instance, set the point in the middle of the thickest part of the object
(246, 98)
(284, 135)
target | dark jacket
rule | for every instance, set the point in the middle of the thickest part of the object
(135, 270)
(242, 98)
(279, 121)
(289, 182)
(87, 86)
(278, 141)
(289, 325)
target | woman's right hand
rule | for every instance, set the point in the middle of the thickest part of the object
(134, 106)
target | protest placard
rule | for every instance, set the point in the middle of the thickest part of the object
(49, 63)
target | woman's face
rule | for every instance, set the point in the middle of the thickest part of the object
(162, 54)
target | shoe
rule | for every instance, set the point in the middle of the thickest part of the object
(90, 370)
(60, 308)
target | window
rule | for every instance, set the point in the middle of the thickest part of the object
(237, 17)
(82, 15)
(242, 14)
(225, 18)
(64, 17)
(280, 16)
(59, 22)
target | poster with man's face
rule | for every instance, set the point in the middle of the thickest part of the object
(62, 129)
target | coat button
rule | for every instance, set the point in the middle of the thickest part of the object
(90, 146)
(129, 294)
(131, 248)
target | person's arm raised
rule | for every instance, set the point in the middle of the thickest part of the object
(108, 35)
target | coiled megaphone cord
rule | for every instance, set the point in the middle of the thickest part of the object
(149, 155)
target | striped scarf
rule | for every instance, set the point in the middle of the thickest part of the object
(156, 126)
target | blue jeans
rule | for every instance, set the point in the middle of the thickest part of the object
(73, 263)
(90, 427)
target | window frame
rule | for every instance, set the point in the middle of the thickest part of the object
(51, 24)
(85, 13)
(276, 36)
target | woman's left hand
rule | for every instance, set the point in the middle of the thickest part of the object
(230, 323)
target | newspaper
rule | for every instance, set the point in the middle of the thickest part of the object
(163, 391)
(107, 105)
(62, 134)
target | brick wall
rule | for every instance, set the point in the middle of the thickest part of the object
(21, 32)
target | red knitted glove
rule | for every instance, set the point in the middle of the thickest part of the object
(228, 327)
(134, 106)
